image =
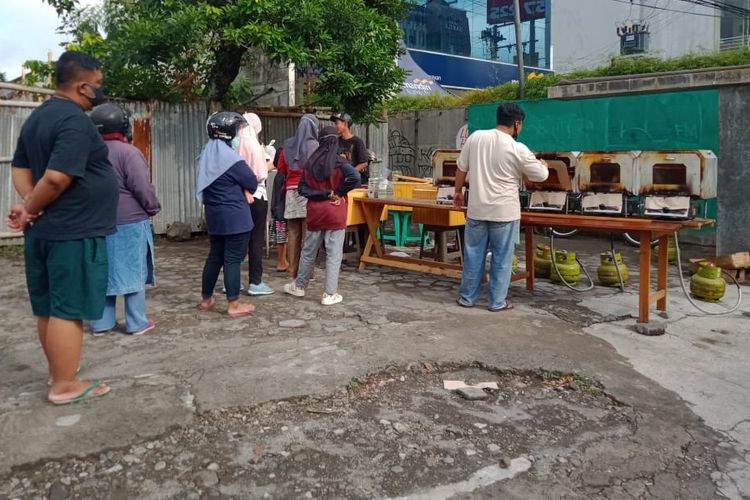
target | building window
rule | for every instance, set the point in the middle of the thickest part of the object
(475, 29)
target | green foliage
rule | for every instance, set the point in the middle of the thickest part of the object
(643, 65)
(192, 49)
(2, 76)
(38, 73)
(413, 103)
(536, 88)
(11, 252)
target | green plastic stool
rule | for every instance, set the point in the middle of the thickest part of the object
(397, 231)
(406, 235)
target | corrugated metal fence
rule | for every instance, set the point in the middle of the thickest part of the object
(177, 134)
(12, 116)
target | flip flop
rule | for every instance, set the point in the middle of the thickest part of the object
(201, 307)
(508, 306)
(87, 394)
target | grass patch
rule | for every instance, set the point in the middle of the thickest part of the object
(11, 251)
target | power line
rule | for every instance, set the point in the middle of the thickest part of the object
(665, 8)
(722, 6)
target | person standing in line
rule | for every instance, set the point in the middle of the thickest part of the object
(352, 146)
(255, 155)
(278, 227)
(326, 180)
(223, 177)
(496, 162)
(130, 250)
(61, 171)
(292, 160)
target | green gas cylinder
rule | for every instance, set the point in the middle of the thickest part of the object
(671, 250)
(542, 261)
(514, 265)
(707, 284)
(568, 267)
(607, 271)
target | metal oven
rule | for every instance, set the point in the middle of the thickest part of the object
(668, 180)
(605, 181)
(556, 194)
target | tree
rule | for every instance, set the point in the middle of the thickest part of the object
(193, 49)
(40, 73)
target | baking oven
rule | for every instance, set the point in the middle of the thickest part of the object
(668, 180)
(605, 181)
(556, 193)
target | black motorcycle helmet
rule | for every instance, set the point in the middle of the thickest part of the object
(111, 117)
(224, 125)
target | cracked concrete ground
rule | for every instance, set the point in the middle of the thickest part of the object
(686, 394)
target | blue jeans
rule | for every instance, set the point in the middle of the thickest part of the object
(135, 313)
(500, 238)
(227, 251)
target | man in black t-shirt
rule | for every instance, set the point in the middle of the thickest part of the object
(351, 146)
(70, 192)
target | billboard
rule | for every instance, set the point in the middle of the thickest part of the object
(466, 72)
(502, 11)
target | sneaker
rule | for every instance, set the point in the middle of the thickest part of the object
(329, 300)
(149, 326)
(101, 333)
(293, 289)
(260, 289)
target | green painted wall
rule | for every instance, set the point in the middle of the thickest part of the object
(674, 120)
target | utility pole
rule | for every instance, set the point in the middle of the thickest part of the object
(519, 48)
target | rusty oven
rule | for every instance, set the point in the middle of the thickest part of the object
(554, 193)
(667, 180)
(605, 180)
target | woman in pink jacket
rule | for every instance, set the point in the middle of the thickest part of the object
(253, 153)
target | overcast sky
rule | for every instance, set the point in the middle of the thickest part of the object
(27, 31)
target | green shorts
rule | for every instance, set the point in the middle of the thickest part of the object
(67, 279)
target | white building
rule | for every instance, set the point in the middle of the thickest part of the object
(584, 32)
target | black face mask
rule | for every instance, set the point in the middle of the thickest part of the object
(98, 95)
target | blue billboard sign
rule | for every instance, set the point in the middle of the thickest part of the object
(466, 72)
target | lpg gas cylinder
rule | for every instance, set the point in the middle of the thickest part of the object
(671, 250)
(542, 260)
(707, 284)
(568, 267)
(607, 271)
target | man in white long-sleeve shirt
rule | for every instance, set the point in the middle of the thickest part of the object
(495, 162)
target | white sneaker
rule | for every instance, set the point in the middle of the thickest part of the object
(293, 289)
(329, 300)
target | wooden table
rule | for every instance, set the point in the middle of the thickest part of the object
(646, 229)
(372, 209)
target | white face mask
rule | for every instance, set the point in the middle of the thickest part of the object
(236, 142)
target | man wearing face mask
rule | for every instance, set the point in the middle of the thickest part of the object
(70, 192)
(496, 163)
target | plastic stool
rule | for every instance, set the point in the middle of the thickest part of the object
(352, 245)
(396, 236)
(406, 235)
(441, 252)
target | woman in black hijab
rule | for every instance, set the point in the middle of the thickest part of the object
(325, 182)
